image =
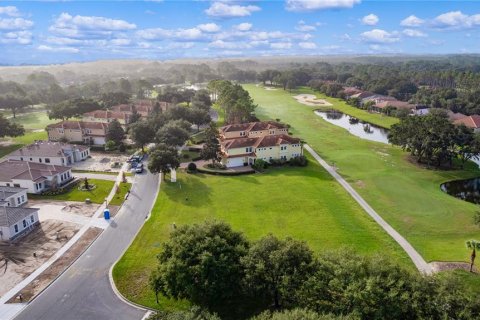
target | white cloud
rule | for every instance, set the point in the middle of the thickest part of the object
(88, 26)
(209, 27)
(57, 49)
(10, 11)
(16, 37)
(456, 20)
(414, 33)
(412, 21)
(245, 26)
(281, 45)
(307, 45)
(302, 26)
(310, 5)
(223, 10)
(121, 42)
(370, 20)
(177, 34)
(15, 24)
(379, 36)
(226, 44)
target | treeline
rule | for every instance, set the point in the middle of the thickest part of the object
(219, 270)
(434, 140)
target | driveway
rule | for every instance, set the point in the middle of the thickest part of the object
(84, 290)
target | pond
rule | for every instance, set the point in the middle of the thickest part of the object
(355, 126)
(468, 190)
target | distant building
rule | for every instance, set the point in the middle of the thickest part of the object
(107, 116)
(15, 218)
(243, 144)
(143, 107)
(90, 133)
(396, 104)
(472, 122)
(50, 152)
(35, 177)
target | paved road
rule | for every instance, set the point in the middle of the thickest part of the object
(84, 291)
(417, 259)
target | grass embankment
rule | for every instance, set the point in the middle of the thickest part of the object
(304, 203)
(406, 195)
(98, 195)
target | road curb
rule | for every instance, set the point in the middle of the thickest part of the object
(60, 274)
(110, 271)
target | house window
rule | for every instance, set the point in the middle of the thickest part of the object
(16, 185)
(24, 223)
(47, 160)
(23, 198)
(19, 201)
(248, 149)
(40, 160)
(32, 218)
(15, 227)
(21, 158)
(31, 159)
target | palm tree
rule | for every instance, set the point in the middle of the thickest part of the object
(473, 244)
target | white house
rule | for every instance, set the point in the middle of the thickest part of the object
(35, 177)
(15, 218)
(51, 152)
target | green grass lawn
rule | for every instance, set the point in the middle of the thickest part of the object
(407, 196)
(305, 203)
(97, 195)
(188, 156)
(221, 115)
(119, 197)
(34, 120)
(4, 150)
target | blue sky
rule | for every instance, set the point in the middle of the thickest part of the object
(42, 32)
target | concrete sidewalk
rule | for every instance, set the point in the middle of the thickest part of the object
(417, 259)
(8, 311)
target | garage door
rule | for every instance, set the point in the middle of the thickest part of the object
(235, 162)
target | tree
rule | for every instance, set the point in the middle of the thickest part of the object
(72, 108)
(202, 263)
(195, 313)
(211, 148)
(111, 99)
(10, 129)
(199, 117)
(299, 314)
(236, 102)
(142, 133)
(277, 268)
(172, 134)
(163, 158)
(473, 245)
(14, 103)
(115, 132)
(135, 116)
(202, 100)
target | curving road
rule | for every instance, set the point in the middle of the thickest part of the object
(84, 291)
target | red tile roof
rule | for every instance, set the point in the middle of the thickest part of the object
(470, 121)
(78, 125)
(106, 114)
(253, 126)
(259, 142)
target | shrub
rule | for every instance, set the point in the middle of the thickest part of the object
(277, 162)
(192, 167)
(110, 145)
(300, 161)
(260, 165)
(122, 148)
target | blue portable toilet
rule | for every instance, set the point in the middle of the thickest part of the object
(106, 214)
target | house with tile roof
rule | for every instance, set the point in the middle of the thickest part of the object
(472, 122)
(243, 144)
(35, 177)
(15, 218)
(51, 152)
(107, 116)
(90, 133)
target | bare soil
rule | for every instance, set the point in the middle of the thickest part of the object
(101, 162)
(17, 258)
(80, 208)
(438, 266)
(58, 267)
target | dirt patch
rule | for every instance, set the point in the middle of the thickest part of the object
(311, 100)
(80, 208)
(438, 266)
(360, 184)
(102, 162)
(59, 266)
(24, 255)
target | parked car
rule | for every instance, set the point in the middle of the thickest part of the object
(139, 168)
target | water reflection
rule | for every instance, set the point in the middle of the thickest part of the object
(355, 126)
(468, 190)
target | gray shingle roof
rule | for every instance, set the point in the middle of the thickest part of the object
(11, 215)
(46, 149)
(23, 170)
(6, 192)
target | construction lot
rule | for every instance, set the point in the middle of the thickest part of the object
(102, 162)
(24, 255)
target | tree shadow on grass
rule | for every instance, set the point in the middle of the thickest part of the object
(192, 192)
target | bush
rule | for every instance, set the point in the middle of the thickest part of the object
(192, 167)
(110, 145)
(260, 165)
(277, 162)
(216, 166)
(122, 148)
(300, 161)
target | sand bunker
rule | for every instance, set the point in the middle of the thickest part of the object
(311, 100)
